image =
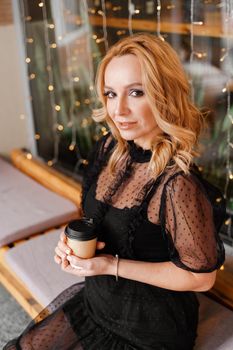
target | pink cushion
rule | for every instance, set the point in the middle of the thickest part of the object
(26, 207)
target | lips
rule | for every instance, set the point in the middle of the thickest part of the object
(126, 125)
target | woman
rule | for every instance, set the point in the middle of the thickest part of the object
(158, 241)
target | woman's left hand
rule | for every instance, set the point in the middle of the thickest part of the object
(99, 265)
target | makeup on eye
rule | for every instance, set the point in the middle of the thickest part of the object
(132, 92)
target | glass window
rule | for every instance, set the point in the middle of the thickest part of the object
(66, 39)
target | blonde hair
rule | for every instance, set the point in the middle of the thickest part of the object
(168, 92)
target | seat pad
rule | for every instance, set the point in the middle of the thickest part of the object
(33, 262)
(26, 207)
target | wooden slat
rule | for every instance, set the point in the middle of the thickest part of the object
(6, 14)
(211, 30)
(223, 287)
(47, 176)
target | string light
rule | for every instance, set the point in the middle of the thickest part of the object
(29, 156)
(159, 6)
(50, 83)
(57, 108)
(131, 9)
(104, 25)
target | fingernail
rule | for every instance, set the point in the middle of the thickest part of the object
(68, 251)
(69, 258)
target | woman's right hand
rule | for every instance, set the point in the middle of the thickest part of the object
(61, 251)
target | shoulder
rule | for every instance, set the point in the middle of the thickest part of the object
(176, 181)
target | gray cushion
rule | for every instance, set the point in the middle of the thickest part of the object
(33, 263)
(215, 330)
(26, 207)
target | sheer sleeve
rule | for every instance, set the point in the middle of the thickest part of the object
(188, 215)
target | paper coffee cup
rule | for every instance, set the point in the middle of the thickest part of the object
(81, 237)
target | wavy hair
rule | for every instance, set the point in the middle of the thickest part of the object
(168, 93)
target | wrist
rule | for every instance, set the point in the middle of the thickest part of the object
(114, 266)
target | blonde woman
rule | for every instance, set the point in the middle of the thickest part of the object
(157, 228)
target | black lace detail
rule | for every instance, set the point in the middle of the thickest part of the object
(138, 154)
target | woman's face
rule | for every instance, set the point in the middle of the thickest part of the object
(127, 104)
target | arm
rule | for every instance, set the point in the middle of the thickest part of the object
(164, 275)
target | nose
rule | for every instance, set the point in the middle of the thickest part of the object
(121, 107)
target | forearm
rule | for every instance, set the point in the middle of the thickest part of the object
(164, 275)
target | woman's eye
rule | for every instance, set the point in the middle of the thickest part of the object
(109, 94)
(136, 93)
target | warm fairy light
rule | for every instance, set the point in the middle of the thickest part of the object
(137, 11)
(72, 146)
(30, 40)
(57, 108)
(227, 222)
(60, 127)
(50, 88)
(76, 79)
(100, 13)
(91, 11)
(121, 32)
(59, 37)
(37, 136)
(222, 268)
(87, 101)
(223, 57)
(200, 54)
(85, 162)
(53, 45)
(224, 89)
(28, 18)
(91, 87)
(28, 60)
(94, 36)
(171, 7)
(158, 8)
(218, 200)
(77, 103)
(200, 168)
(32, 76)
(117, 8)
(104, 131)
(41, 4)
(50, 163)
(198, 23)
(29, 156)
(100, 40)
(230, 176)
(51, 26)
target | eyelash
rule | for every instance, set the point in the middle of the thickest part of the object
(139, 93)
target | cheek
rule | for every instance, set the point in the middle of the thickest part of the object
(110, 108)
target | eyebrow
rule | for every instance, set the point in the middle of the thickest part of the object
(126, 86)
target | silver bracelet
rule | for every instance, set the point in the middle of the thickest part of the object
(117, 265)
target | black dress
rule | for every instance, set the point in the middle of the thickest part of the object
(167, 219)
